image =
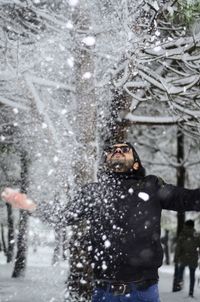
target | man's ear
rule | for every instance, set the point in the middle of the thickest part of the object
(136, 166)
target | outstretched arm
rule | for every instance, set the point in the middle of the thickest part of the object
(18, 200)
(178, 199)
(76, 210)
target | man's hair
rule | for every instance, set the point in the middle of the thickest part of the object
(189, 223)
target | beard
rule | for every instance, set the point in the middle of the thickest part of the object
(120, 165)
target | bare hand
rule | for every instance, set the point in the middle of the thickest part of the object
(18, 200)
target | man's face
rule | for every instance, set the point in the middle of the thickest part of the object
(119, 158)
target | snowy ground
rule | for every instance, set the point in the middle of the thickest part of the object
(165, 286)
(44, 283)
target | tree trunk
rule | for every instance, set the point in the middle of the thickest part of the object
(20, 261)
(118, 130)
(84, 170)
(57, 250)
(11, 236)
(180, 182)
(180, 176)
(65, 244)
(4, 248)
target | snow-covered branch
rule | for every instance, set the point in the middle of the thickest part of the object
(13, 104)
(154, 120)
(50, 83)
(41, 109)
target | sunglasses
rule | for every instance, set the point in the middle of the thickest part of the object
(124, 149)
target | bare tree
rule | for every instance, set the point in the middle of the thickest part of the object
(21, 257)
(11, 234)
(3, 240)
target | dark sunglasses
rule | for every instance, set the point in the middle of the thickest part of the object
(124, 149)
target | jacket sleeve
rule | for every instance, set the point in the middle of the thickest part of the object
(198, 242)
(177, 198)
(77, 209)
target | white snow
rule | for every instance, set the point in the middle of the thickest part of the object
(157, 48)
(55, 159)
(79, 265)
(89, 41)
(64, 111)
(73, 2)
(44, 126)
(87, 75)
(131, 191)
(15, 110)
(44, 282)
(70, 62)
(166, 282)
(50, 172)
(143, 196)
(69, 25)
(49, 59)
(152, 119)
(62, 47)
(104, 266)
(157, 33)
(107, 244)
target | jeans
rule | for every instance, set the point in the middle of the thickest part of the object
(148, 295)
(192, 276)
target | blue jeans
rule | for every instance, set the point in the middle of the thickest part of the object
(148, 295)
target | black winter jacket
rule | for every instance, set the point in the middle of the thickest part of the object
(187, 247)
(123, 213)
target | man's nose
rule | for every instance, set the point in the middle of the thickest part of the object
(118, 150)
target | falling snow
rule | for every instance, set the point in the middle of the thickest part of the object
(73, 2)
(89, 41)
(130, 191)
(143, 196)
(63, 63)
(87, 75)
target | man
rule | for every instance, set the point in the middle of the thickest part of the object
(187, 253)
(123, 211)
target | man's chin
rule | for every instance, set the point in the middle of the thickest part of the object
(117, 167)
